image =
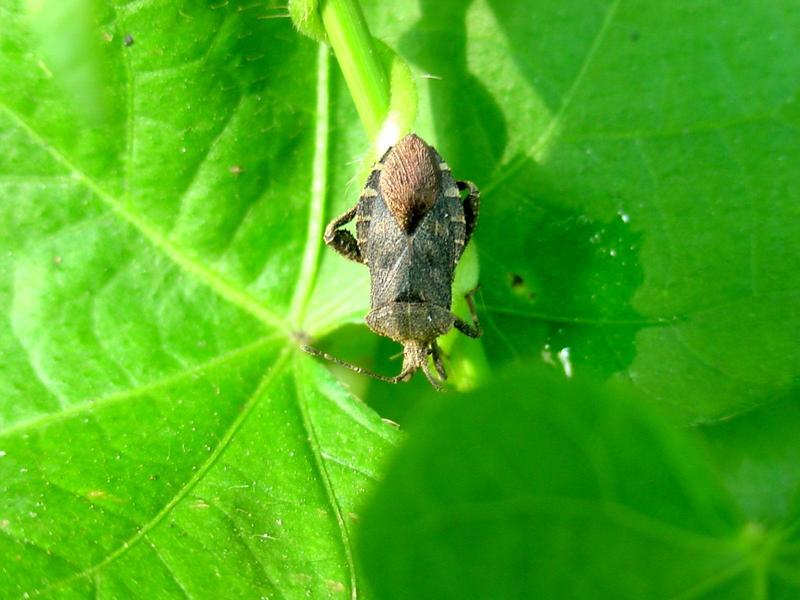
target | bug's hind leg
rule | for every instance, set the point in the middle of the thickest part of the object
(437, 385)
(342, 240)
(436, 353)
(474, 330)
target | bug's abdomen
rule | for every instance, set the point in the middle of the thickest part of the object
(416, 268)
(402, 321)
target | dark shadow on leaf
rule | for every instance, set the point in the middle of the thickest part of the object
(554, 278)
(557, 284)
(470, 127)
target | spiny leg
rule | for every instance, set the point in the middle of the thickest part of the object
(473, 330)
(436, 353)
(342, 240)
(437, 385)
(472, 205)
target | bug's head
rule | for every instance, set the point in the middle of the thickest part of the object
(415, 356)
(410, 181)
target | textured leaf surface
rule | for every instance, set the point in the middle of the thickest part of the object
(575, 493)
(639, 191)
(160, 245)
(158, 436)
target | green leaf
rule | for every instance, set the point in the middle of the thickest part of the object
(162, 203)
(637, 163)
(759, 454)
(159, 436)
(639, 212)
(540, 488)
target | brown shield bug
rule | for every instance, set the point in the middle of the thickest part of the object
(412, 226)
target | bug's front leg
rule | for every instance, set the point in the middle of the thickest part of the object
(472, 205)
(474, 330)
(342, 240)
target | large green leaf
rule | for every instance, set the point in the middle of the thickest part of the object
(640, 197)
(158, 434)
(161, 217)
(571, 492)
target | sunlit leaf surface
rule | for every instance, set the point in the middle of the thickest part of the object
(159, 436)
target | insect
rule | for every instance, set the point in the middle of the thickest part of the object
(412, 226)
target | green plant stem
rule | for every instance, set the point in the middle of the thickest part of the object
(366, 78)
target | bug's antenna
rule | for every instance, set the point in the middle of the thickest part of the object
(356, 368)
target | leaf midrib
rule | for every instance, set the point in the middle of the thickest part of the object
(327, 484)
(319, 192)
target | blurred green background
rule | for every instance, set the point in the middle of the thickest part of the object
(166, 170)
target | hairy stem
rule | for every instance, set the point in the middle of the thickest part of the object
(353, 46)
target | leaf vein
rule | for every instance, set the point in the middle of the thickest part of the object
(347, 465)
(319, 462)
(243, 540)
(715, 580)
(555, 124)
(198, 168)
(163, 561)
(592, 508)
(308, 267)
(88, 405)
(188, 264)
(754, 215)
(199, 474)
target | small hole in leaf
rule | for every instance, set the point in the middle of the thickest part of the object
(519, 287)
